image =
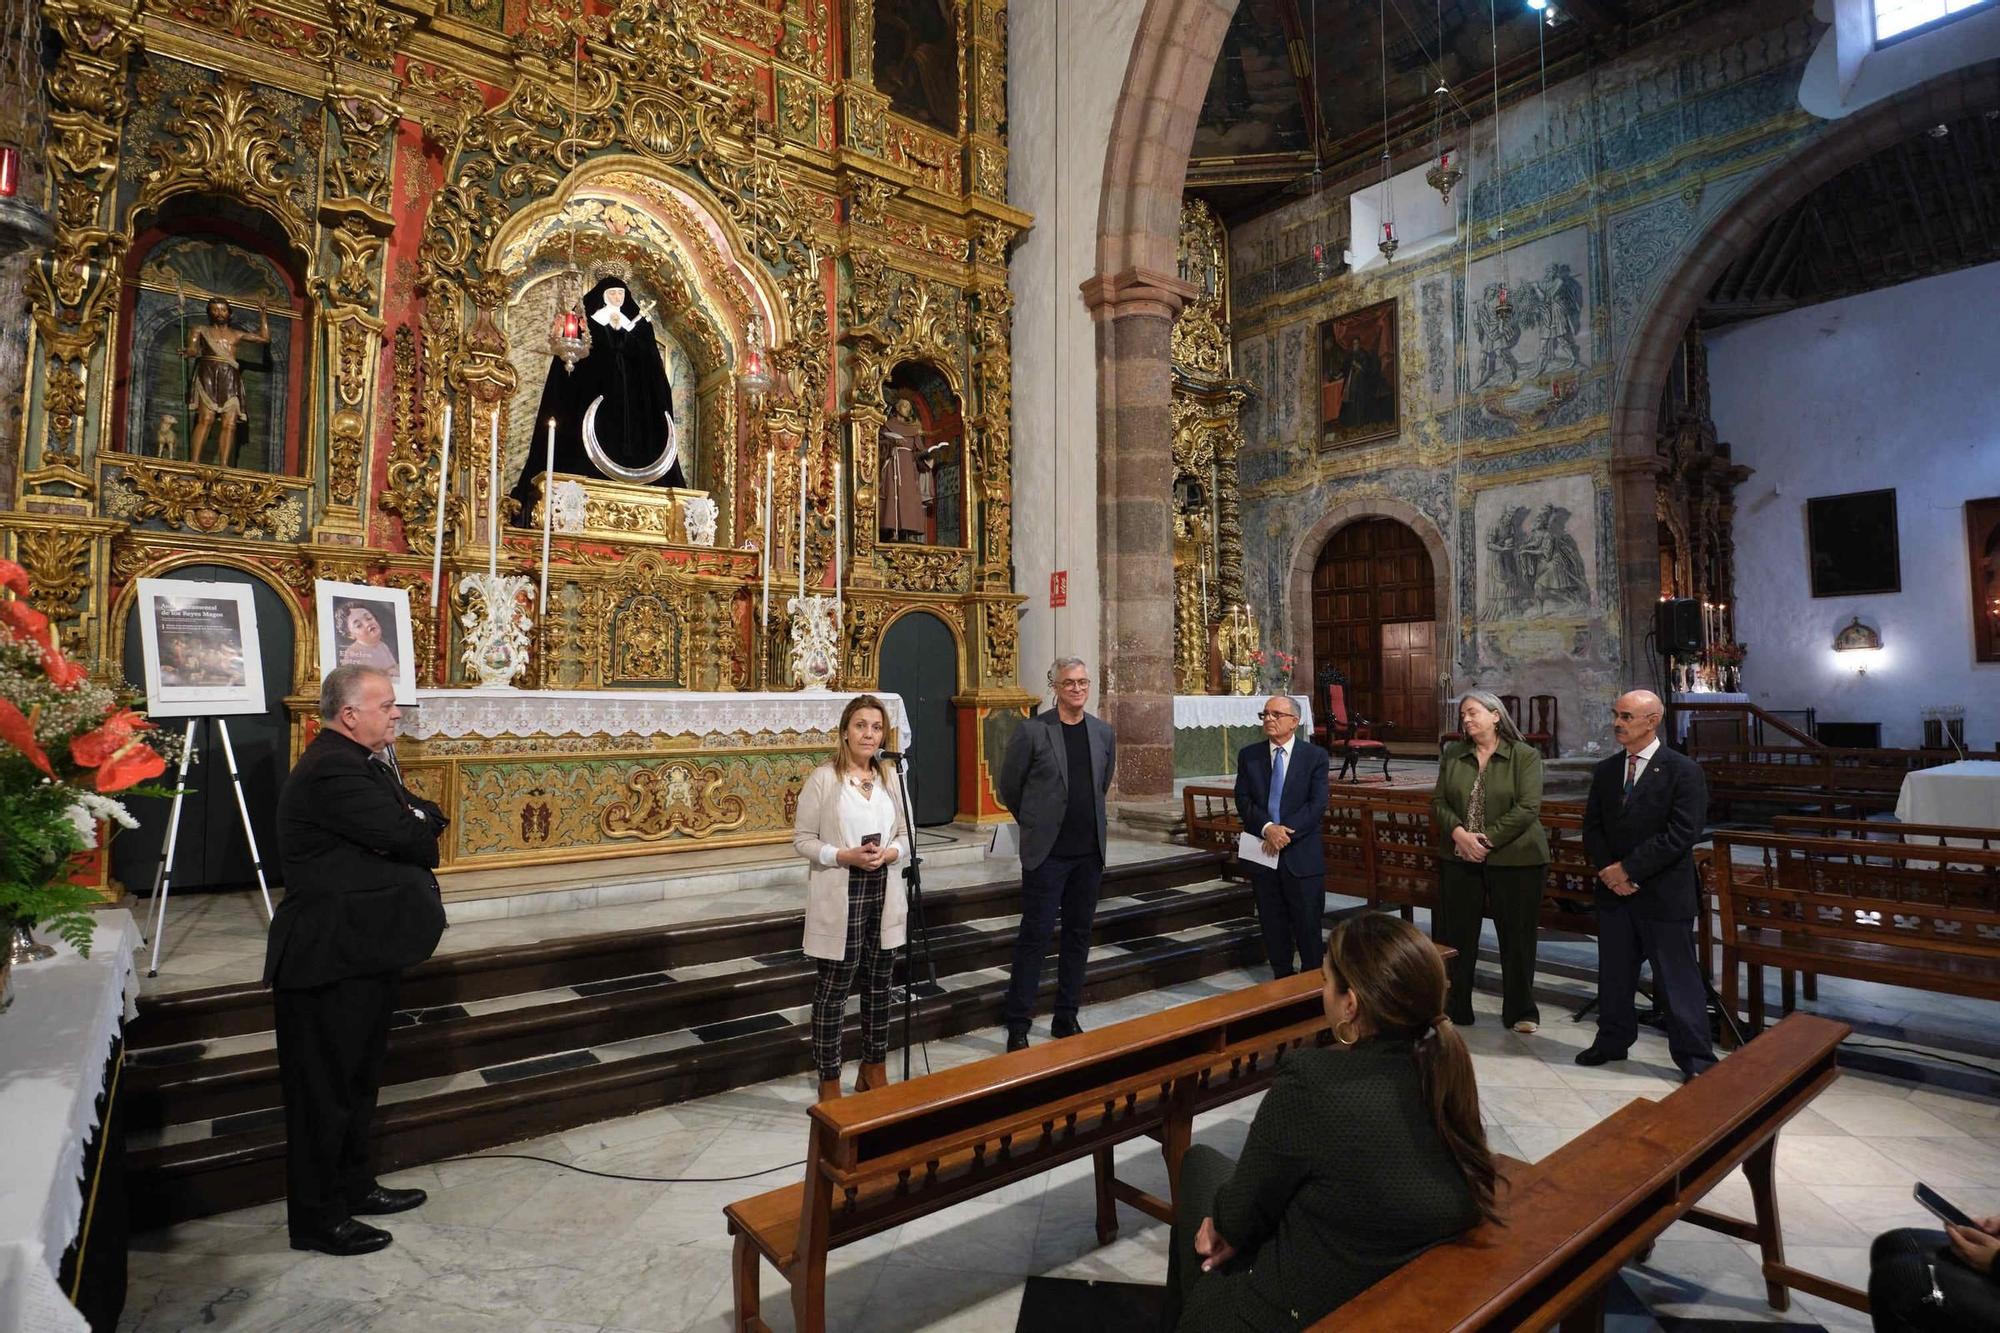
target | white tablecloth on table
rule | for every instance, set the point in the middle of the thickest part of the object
(647, 713)
(1231, 710)
(53, 1046)
(1966, 793)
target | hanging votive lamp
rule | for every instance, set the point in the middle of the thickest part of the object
(10, 170)
(1388, 244)
(569, 339)
(1443, 175)
(1503, 304)
(1322, 267)
(754, 371)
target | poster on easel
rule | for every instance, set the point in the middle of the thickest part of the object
(201, 649)
(363, 625)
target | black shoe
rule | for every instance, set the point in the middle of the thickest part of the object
(345, 1237)
(1066, 1027)
(1597, 1055)
(1017, 1039)
(382, 1200)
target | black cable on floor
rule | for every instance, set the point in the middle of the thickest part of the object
(1921, 1053)
(614, 1175)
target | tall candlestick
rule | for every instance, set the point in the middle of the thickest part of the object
(802, 524)
(493, 500)
(548, 519)
(769, 473)
(838, 509)
(437, 540)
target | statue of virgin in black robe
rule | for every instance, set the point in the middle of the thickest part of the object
(617, 398)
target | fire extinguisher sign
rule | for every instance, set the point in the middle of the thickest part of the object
(1059, 588)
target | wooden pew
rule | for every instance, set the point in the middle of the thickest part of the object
(1898, 913)
(1569, 1222)
(878, 1159)
(1829, 778)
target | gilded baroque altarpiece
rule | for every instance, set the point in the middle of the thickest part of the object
(397, 181)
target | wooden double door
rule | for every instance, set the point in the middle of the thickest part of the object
(1374, 608)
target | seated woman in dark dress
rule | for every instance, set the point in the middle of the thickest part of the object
(1362, 1155)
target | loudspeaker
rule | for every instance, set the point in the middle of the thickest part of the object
(1677, 625)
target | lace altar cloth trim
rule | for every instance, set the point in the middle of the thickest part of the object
(1231, 710)
(646, 713)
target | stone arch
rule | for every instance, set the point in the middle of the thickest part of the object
(1133, 298)
(1305, 557)
(1642, 371)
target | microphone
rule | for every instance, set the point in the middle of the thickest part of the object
(893, 756)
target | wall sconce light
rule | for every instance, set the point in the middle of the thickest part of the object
(1862, 643)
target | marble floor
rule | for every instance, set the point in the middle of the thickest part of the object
(519, 1245)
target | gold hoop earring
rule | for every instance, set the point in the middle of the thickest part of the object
(1349, 1024)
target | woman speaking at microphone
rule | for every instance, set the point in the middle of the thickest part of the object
(851, 828)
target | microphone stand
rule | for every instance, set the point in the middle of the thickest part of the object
(917, 934)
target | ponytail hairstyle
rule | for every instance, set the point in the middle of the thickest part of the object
(1398, 979)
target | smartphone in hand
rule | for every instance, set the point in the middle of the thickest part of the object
(1943, 1209)
(872, 840)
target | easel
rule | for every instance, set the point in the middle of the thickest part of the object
(163, 877)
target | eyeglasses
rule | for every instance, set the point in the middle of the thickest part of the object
(1267, 716)
(1083, 684)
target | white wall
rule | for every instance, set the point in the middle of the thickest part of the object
(1901, 388)
(1065, 69)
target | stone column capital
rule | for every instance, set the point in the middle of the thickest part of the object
(1136, 292)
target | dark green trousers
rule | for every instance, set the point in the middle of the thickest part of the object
(1512, 896)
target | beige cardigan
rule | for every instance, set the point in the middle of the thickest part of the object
(817, 826)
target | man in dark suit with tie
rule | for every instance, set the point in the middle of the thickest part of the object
(1054, 780)
(360, 905)
(1647, 807)
(1281, 798)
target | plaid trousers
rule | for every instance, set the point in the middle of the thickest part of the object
(866, 890)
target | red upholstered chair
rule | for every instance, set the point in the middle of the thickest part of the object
(1539, 728)
(1347, 734)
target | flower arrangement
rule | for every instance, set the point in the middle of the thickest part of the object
(1726, 654)
(1275, 666)
(66, 745)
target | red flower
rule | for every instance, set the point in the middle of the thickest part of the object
(19, 732)
(13, 578)
(62, 673)
(118, 753)
(26, 622)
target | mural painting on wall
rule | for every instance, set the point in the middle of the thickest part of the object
(1537, 548)
(1982, 549)
(1531, 329)
(211, 347)
(921, 466)
(1851, 541)
(1359, 398)
(916, 59)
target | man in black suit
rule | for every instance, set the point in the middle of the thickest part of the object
(360, 905)
(1281, 797)
(1647, 808)
(1058, 769)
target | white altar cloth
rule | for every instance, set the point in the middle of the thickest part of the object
(1966, 793)
(1231, 710)
(53, 1045)
(468, 712)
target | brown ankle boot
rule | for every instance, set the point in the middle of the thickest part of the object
(829, 1088)
(874, 1074)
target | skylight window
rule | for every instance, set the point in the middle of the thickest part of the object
(1893, 18)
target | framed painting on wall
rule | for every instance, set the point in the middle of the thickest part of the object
(1358, 367)
(1982, 550)
(1851, 544)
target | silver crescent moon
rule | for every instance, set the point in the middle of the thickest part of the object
(641, 476)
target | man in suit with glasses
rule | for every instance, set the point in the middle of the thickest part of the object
(1281, 797)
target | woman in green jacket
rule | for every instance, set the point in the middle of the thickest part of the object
(1493, 858)
(1362, 1155)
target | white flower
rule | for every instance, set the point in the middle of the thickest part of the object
(86, 825)
(103, 807)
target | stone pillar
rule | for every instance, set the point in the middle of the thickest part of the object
(1135, 473)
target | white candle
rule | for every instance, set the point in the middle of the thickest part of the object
(548, 518)
(493, 500)
(437, 540)
(839, 508)
(802, 524)
(769, 472)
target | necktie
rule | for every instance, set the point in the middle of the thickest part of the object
(1277, 780)
(1631, 772)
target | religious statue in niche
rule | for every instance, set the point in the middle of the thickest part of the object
(614, 411)
(921, 476)
(916, 59)
(216, 387)
(204, 384)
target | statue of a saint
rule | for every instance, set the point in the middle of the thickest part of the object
(906, 499)
(217, 387)
(614, 411)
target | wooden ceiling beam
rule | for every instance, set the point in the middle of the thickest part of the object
(1597, 16)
